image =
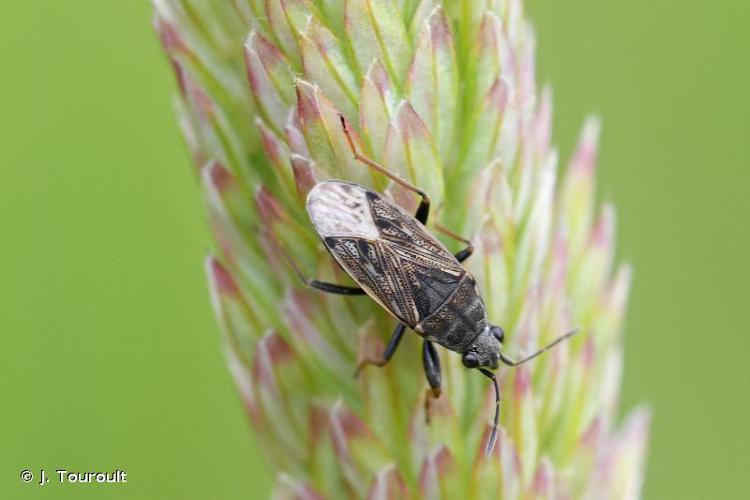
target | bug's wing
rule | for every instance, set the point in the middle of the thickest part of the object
(406, 283)
(384, 249)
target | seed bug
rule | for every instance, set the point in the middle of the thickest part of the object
(398, 263)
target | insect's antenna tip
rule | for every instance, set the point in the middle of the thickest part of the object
(493, 435)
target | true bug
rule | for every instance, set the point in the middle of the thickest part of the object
(396, 261)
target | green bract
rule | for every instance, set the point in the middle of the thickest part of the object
(445, 95)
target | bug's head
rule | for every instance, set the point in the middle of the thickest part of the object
(484, 352)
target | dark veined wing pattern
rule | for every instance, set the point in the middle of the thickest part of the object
(384, 249)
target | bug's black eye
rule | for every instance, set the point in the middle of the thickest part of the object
(470, 360)
(498, 333)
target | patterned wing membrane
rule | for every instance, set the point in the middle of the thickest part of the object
(384, 249)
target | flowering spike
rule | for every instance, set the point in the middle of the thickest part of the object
(445, 95)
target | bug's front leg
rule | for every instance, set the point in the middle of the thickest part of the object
(390, 350)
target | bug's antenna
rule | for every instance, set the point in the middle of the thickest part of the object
(552, 344)
(493, 435)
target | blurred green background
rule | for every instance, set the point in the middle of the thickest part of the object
(110, 354)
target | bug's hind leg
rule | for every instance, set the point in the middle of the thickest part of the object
(463, 254)
(390, 350)
(424, 205)
(431, 362)
(323, 285)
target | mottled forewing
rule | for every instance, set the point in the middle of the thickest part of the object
(384, 249)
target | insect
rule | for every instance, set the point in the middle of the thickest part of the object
(398, 263)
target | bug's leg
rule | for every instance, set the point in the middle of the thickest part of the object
(322, 285)
(424, 205)
(431, 362)
(463, 254)
(390, 349)
(334, 288)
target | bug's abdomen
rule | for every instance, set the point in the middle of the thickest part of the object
(456, 323)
